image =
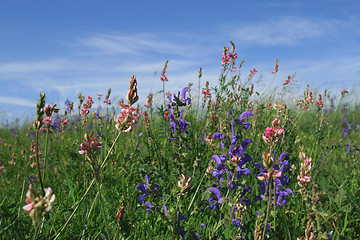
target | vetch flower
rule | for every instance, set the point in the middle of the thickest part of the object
(38, 205)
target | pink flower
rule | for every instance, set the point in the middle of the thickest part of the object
(269, 132)
(47, 120)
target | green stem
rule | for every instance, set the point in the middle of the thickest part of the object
(46, 149)
(37, 158)
(267, 209)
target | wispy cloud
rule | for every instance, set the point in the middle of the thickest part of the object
(286, 31)
(16, 101)
(137, 45)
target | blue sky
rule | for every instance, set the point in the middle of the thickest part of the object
(66, 47)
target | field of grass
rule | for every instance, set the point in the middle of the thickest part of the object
(229, 163)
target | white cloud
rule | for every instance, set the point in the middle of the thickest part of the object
(138, 45)
(286, 31)
(17, 101)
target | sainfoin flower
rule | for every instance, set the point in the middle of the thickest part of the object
(38, 205)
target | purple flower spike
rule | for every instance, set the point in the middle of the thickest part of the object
(234, 221)
(219, 162)
(156, 190)
(242, 117)
(182, 234)
(149, 205)
(217, 194)
(165, 209)
(231, 186)
(218, 135)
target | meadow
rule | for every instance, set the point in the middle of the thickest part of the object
(206, 162)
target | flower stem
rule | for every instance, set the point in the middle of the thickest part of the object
(37, 158)
(267, 209)
(46, 148)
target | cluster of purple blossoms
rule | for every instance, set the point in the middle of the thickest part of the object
(145, 189)
(178, 124)
(275, 170)
(239, 158)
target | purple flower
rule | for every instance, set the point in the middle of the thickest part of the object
(281, 200)
(182, 234)
(234, 221)
(247, 201)
(149, 205)
(242, 117)
(242, 171)
(263, 190)
(180, 102)
(231, 186)
(198, 234)
(143, 188)
(165, 209)
(217, 193)
(218, 135)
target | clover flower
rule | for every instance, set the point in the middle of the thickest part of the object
(38, 205)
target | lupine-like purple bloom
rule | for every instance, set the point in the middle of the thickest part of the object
(197, 234)
(221, 168)
(234, 221)
(281, 200)
(247, 201)
(242, 117)
(218, 135)
(149, 205)
(165, 209)
(263, 190)
(173, 123)
(239, 168)
(180, 102)
(217, 194)
(230, 185)
(143, 188)
(182, 123)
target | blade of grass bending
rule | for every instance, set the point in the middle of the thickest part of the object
(73, 213)
(197, 189)
(87, 190)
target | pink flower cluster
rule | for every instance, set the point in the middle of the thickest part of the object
(253, 72)
(163, 73)
(228, 58)
(305, 169)
(38, 205)
(86, 106)
(90, 145)
(273, 134)
(184, 185)
(127, 119)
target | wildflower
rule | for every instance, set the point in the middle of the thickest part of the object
(163, 73)
(90, 145)
(242, 117)
(38, 205)
(215, 198)
(143, 188)
(253, 71)
(184, 185)
(127, 119)
(149, 205)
